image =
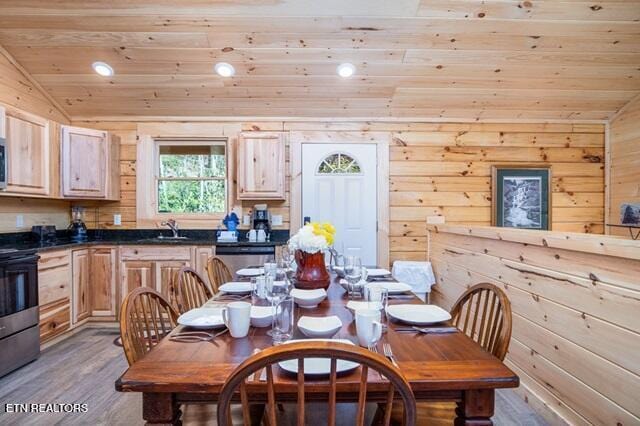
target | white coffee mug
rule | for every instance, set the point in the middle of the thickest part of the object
(368, 327)
(262, 236)
(237, 318)
(253, 235)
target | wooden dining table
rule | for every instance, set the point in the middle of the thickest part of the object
(439, 367)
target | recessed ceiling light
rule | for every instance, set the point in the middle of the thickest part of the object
(224, 69)
(103, 69)
(346, 70)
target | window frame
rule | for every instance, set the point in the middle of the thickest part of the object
(173, 141)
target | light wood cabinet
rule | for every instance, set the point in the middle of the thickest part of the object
(103, 281)
(28, 148)
(261, 166)
(201, 256)
(54, 288)
(154, 267)
(89, 164)
(81, 292)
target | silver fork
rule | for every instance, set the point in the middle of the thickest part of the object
(374, 349)
(388, 352)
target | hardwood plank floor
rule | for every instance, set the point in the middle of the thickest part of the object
(84, 367)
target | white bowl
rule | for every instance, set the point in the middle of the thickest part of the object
(261, 316)
(308, 298)
(319, 326)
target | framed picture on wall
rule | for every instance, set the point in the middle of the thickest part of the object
(521, 196)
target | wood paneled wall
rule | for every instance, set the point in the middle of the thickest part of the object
(624, 178)
(17, 90)
(438, 169)
(575, 301)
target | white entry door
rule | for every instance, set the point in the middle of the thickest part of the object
(339, 186)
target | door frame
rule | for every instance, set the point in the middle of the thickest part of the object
(382, 141)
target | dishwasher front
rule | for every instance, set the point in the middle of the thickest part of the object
(237, 257)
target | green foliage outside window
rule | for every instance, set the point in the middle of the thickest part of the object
(192, 179)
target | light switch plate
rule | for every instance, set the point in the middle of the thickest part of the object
(435, 220)
(19, 221)
(117, 219)
(276, 220)
(246, 220)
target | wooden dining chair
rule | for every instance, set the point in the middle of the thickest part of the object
(395, 383)
(192, 291)
(145, 318)
(483, 313)
(218, 272)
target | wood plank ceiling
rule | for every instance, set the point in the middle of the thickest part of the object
(451, 59)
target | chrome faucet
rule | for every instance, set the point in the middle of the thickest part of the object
(173, 225)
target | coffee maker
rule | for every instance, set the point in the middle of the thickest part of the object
(261, 218)
(77, 228)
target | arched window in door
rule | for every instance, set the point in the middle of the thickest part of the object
(339, 164)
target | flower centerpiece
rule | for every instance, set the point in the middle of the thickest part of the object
(309, 244)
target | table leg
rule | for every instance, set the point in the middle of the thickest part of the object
(160, 409)
(476, 408)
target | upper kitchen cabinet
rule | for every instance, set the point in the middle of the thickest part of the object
(28, 148)
(89, 164)
(261, 166)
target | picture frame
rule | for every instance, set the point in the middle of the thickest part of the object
(521, 196)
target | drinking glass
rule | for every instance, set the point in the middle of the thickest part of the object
(353, 275)
(282, 326)
(259, 286)
(378, 298)
(270, 268)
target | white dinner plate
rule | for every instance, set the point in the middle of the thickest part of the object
(418, 314)
(318, 366)
(236, 287)
(202, 318)
(391, 286)
(319, 326)
(373, 272)
(250, 272)
(357, 305)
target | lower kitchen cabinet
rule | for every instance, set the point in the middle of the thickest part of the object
(81, 269)
(201, 257)
(103, 281)
(155, 267)
(54, 288)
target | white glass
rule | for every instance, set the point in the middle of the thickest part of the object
(259, 285)
(368, 327)
(270, 269)
(282, 327)
(237, 318)
(353, 271)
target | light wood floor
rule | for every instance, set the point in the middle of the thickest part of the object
(84, 367)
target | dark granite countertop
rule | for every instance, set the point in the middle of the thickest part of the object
(25, 241)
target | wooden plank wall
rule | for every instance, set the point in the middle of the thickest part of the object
(17, 90)
(576, 337)
(441, 169)
(624, 143)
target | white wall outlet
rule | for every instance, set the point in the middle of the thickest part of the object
(19, 221)
(117, 219)
(276, 220)
(435, 220)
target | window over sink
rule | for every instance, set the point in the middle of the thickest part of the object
(191, 176)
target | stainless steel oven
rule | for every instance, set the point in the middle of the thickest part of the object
(19, 331)
(4, 167)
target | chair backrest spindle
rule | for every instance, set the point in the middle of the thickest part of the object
(192, 290)
(218, 272)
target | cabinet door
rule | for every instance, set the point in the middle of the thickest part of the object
(80, 295)
(103, 282)
(167, 278)
(134, 274)
(27, 139)
(202, 255)
(261, 166)
(54, 288)
(85, 162)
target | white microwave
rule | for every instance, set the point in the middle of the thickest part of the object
(3, 163)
